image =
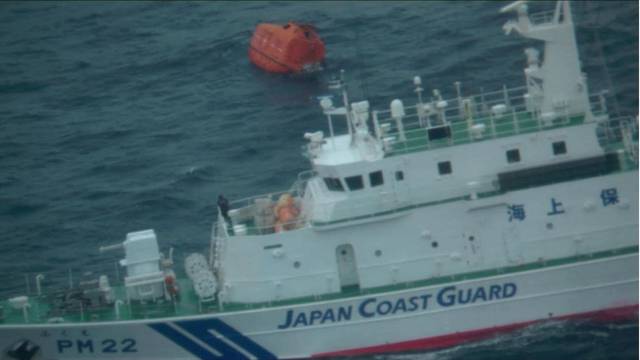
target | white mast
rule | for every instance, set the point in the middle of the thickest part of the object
(557, 87)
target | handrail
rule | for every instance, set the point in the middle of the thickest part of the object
(515, 115)
(389, 202)
(218, 245)
(511, 97)
(53, 281)
(302, 176)
(493, 97)
(249, 200)
(495, 127)
(620, 131)
(541, 17)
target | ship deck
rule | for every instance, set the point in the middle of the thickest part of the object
(41, 311)
(481, 117)
(511, 124)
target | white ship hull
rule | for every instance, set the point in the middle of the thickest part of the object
(453, 223)
(425, 317)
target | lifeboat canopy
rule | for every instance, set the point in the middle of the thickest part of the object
(290, 48)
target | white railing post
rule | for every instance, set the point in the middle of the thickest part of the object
(505, 96)
(376, 124)
(493, 126)
(603, 101)
(39, 279)
(516, 127)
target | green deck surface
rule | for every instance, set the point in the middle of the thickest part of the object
(508, 125)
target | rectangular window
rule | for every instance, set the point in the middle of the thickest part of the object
(399, 175)
(354, 182)
(513, 156)
(333, 184)
(444, 167)
(559, 147)
(376, 179)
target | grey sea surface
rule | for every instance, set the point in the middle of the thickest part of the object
(117, 117)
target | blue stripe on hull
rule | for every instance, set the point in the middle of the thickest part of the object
(184, 342)
(244, 342)
(200, 329)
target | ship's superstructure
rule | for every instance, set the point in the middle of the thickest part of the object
(501, 208)
(370, 212)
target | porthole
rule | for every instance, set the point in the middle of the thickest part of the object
(378, 253)
(296, 264)
(434, 244)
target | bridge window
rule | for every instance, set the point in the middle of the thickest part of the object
(513, 156)
(376, 179)
(444, 167)
(333, 184)
(399, 175)
(559, 148)
(354, 182)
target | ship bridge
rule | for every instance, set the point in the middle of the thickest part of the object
(342, 150)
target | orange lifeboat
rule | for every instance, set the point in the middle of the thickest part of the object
(292, 48)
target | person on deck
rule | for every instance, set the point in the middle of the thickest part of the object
(223, 205)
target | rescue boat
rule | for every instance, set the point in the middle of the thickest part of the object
(290, 48)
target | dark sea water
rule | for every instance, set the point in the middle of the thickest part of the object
(117, 117)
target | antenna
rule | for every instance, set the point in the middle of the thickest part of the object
(340, 85)
(363, 82)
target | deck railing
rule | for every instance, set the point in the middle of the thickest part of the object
(46, 288)
(486, 116)
(620, 134)
(541, 17)
(219, 237)
(242, 212)
(363, 207)
(66, 278)
(250, 201)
